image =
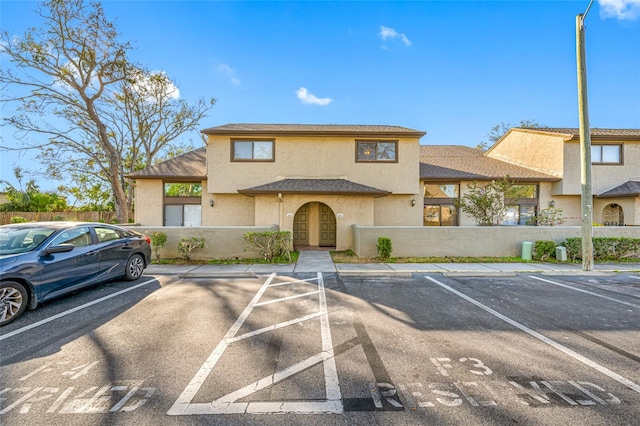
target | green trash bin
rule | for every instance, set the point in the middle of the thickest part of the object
(527, 249)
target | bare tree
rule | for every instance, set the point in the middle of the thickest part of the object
(109, 115)
(499, 130)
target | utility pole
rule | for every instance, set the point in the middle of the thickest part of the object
(585, 146)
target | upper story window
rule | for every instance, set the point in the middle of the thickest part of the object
(443, 190)
(606, 154)
(377, 151)
(522, 191)
(182, 189)
(252, 150)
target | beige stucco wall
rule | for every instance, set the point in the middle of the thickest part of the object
(603, 177)
(394, 210)
(228, 210)
(470, 241)
(222, 242)
(537, 151)
(313, 157)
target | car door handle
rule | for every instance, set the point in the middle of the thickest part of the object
(91, 253)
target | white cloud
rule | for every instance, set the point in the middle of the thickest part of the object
(620, 9)
(310, 99)
(386, 32)
(148, 85)
(228, 71)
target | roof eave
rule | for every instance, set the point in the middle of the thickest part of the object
(251, 192)
(365, 134)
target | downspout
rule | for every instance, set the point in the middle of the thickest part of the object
(281, 211)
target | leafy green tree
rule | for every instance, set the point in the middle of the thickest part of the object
(29, 198)
(485, 202)
(110, 117)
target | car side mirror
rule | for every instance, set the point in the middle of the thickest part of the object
(60, 248)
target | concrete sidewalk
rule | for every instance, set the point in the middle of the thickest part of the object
(320, 261)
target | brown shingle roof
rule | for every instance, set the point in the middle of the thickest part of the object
(455, 162)
(191, 165)
(254, 129)
(628, 189)
(599, 134)
(315, 186)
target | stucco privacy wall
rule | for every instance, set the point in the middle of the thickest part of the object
(221, 242)
(469, 241)
(312, 157)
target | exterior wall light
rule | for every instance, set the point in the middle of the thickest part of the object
(552, 203)
(211, 202)
(289, 214)
(413, 202)
(340, 215)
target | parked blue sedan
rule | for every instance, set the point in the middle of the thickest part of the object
(43, 260)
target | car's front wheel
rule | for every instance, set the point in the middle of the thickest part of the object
(13, 301)
(135, 267)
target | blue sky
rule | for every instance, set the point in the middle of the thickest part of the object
(451, 68)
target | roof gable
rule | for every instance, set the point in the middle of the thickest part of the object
(190, 165)
(455, 162)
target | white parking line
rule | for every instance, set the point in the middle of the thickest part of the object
(633, 276)
(604, 370)
(76, 309)
(586, 292)
(228, 403)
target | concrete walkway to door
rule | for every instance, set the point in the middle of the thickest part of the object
(315, 261)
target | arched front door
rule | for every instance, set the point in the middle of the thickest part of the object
(314, 224)
(327, 226)
(613, 215)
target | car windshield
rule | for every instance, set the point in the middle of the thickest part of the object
(22, 240)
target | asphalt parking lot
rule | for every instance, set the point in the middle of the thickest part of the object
(321, 348)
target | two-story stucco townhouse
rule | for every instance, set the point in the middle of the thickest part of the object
(319, 180)
(615, 170)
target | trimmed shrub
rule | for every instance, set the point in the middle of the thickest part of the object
(270, 245)
(544, 249)
(604, 248)
(384, 247)
(18, 219)
(158, 241)
(187, 245)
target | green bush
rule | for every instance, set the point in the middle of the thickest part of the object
(604, 249)
(384, 247)
(18, 219)
(270, 245)
(158, 241)
(187, 245)
(544, 249)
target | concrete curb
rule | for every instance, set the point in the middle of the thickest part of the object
(356, 273)
(480, 274)
(219, 275)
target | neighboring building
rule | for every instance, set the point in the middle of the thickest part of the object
(615, 171)
(319, 180)
(447, 170)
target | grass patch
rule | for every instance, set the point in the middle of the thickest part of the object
(234, 261)
(349, 256)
